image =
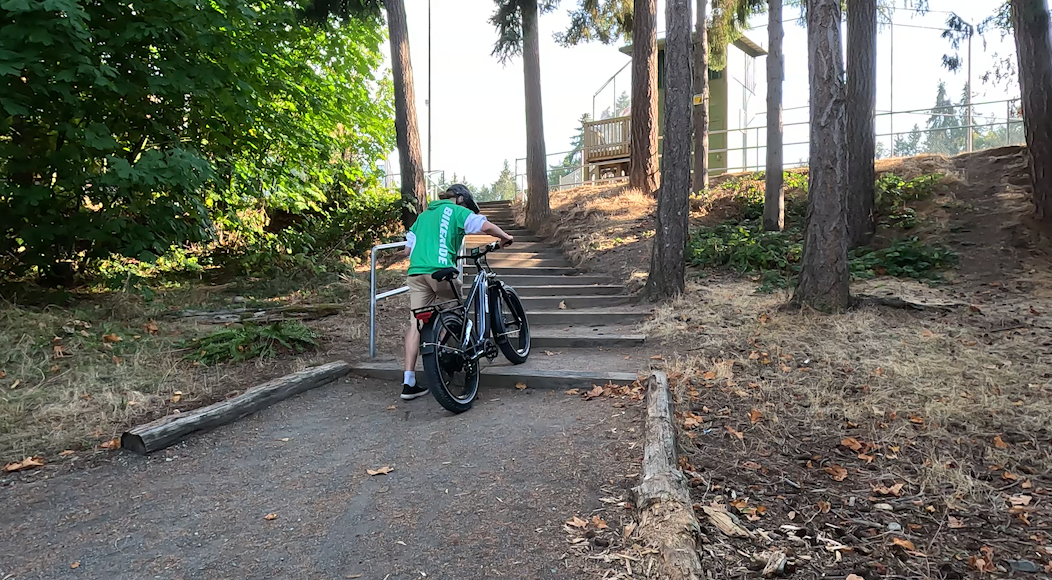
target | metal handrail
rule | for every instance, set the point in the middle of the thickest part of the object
(374, 297)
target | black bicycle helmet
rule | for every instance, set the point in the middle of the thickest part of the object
(460, 190)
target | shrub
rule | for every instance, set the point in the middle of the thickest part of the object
(745, 247)
(894, 192)
(909, 258)
(250, 341)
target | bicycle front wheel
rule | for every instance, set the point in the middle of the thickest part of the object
(510, 328)
(454, 380)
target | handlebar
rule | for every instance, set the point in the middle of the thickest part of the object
(481, 251)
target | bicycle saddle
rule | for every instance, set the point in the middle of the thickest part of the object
(445, 274)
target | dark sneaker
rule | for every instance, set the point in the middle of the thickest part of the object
(409, 393)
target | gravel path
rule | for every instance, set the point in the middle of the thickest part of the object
(479, 495)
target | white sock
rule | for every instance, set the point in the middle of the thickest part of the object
(410, 378)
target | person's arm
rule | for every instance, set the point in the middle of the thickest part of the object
(410, 241)
(492, 229)
(477, 223)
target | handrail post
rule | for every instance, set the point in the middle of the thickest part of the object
(372, 302)
(374, 297)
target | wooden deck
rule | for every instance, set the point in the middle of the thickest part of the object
(607, 140)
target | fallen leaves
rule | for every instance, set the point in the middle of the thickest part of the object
(114, 443)
(520, 386)
(692, 421)
(629, 528)
(852, 443)
(1000, 443)
(599, 523)
(955, 523)
(27, 463)
(562, 305)
(577, 523)
(985, 562)
(836, 472)
(895, 490)
(176, 397)
(75, 565)
(150, 327)
(270, 517)
(824, 506)
(392, 407)
(1020, 500)
(573, 392)
(380, 471)
(111, 338)
(906, 545)
(755, 415)
(596, 391)
(732, 431)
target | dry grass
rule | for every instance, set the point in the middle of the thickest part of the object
(606, 228)
(63, 385)
(876, 369)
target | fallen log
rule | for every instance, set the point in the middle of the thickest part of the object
(261, 315)
(899, 302)
(666, 514)
(171, 429)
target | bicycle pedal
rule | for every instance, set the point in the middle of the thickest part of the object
(491, 351)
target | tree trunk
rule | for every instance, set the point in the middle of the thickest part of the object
(643, 165)
(667, 262)
(861, 132)
(1030, 19)
(774, 192)
(701, 87)
(824, 277)
(410, 161)
(537, 209)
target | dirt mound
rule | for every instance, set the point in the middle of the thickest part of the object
(982, 210)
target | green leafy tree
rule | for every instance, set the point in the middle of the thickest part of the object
(945, 134)
(572, 160)
(619, 108)
(910, 144)
(121, 133)
(504, 188)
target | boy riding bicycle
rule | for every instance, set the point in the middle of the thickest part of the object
(432, 245)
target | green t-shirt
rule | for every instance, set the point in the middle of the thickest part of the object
(439, 231)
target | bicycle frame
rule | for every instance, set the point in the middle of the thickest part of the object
(478, 297)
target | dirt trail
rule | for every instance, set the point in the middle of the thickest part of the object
(991, 227)
(478, 495)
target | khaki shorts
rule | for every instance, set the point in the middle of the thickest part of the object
(426, 291)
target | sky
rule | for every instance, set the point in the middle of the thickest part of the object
(477, 118)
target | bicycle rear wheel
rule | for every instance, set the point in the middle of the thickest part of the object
(511, 330)
(454, 381)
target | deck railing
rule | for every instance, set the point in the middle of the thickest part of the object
(606, 139)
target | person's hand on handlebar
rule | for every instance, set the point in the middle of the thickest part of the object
(489, 228)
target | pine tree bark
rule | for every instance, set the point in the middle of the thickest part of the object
(1030, 19)
(668, 257)
(410, 160)
(701, 87)
(824, 276)
(861, 131)
(643, 162)
(538, 209)
(774, 192)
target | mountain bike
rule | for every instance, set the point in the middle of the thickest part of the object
(457, 334)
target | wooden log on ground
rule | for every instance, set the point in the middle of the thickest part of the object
(261, 315)
(666, 514)
(171, 429)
